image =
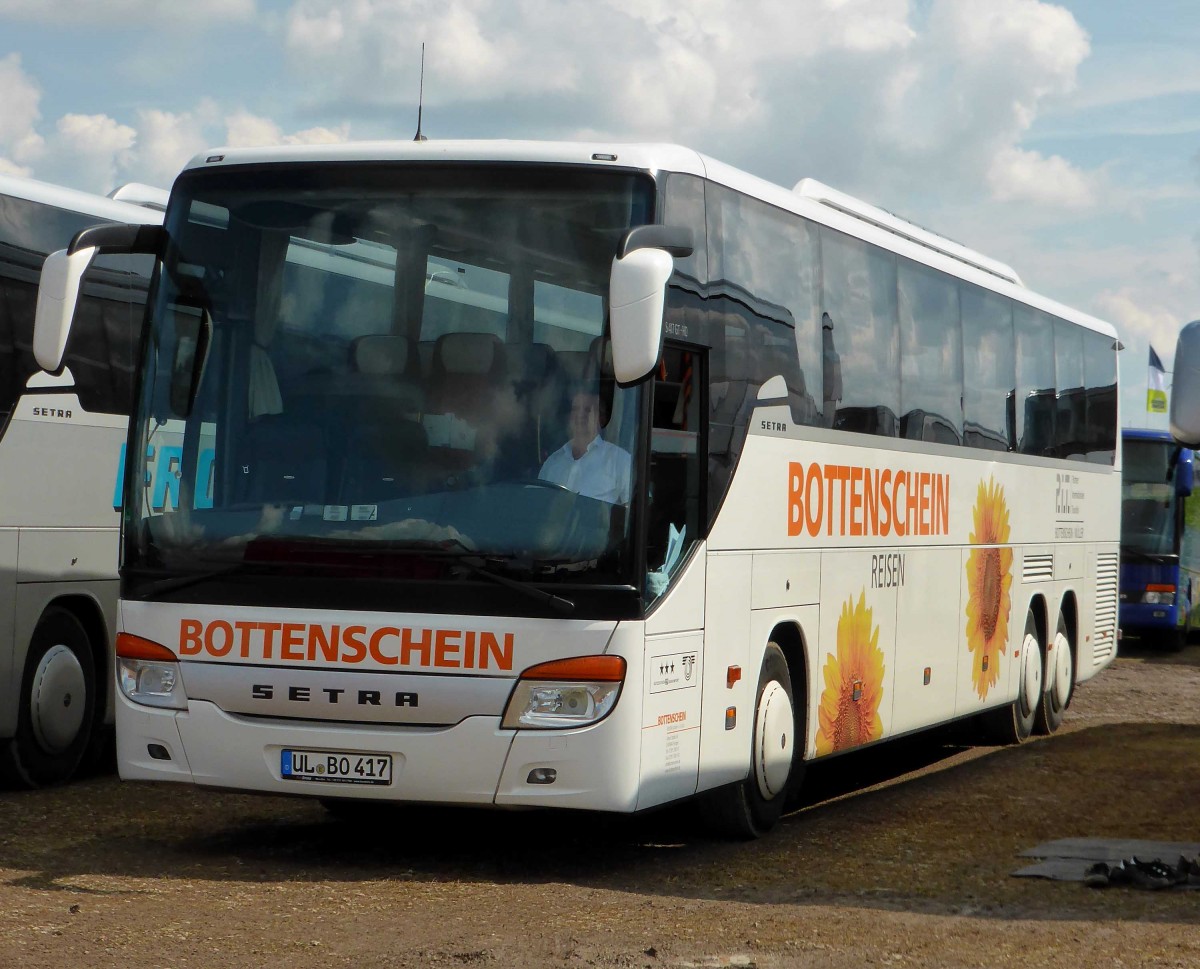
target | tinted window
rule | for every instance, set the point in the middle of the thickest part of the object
(930, 355)
(860, 343)
(1035, 401)
(103, 341)
(1100, 376)
(770, 256)
(1071, 406)
(990, 368)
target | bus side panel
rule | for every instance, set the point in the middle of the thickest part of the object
(10, 685)
(70, 459)
(671, 717)
(857, 654)
(930, 637)
(725, 754)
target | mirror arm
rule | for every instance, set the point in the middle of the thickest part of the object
(115, 238)
(679, 241)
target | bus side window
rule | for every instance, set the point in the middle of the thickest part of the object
(676, 447)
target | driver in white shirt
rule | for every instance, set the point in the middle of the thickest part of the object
(587, 464)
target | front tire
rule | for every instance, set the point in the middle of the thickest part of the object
(750, 808)
(1060, 683)
(57, 705)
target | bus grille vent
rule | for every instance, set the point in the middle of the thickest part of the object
(1037, 568)
(1105, 638)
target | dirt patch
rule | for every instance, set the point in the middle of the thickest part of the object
(903, 856)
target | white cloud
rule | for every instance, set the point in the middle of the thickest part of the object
(20, 143)
(124, 13)
(244, 130)
(87, 152)
(1026, 176)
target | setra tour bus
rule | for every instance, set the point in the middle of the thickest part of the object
(61, 439)
(588, 476)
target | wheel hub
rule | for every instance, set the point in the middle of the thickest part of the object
(776, 732)
(1031, 678)
(57, 701)
(1062, 671)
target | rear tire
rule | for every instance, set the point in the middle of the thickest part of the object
(750, 808)
(1014, 723)
(1060, 682)
(57, 705)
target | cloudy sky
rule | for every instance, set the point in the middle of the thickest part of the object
(1060, 138)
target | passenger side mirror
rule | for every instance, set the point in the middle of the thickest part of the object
(1185, 391)
(1185, 474)
(637, 294)
(58, 292)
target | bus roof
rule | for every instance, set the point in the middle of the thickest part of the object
(809, 198)
(72, 200)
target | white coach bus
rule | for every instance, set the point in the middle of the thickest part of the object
(589, 476)
(60, 447)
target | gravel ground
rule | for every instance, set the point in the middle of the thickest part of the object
(899, 857)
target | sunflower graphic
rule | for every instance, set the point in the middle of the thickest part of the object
(849, 711)
(989, 577)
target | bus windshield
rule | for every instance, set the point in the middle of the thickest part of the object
(1149, 513)
(389, 362)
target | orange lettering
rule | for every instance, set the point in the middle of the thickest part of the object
(355, 650)
(421, 646)
(814, 511)
(795, 500)
(328, 645)
(293, 640)
(210, 643)
(376, 637)
(489, 648)
(189, 637)
(446, 651)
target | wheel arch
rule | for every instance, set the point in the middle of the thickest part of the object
(1037, 605)
(789, 637)
(1069, 610)
(91, 616)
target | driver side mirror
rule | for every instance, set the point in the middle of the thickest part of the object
(58, 292)
(637, 295)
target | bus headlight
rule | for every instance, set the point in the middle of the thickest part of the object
(1159, 597)
(148, 673)
(565, 693)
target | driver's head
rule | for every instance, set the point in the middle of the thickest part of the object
(584, 419)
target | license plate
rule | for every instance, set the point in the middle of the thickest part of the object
(335, 766)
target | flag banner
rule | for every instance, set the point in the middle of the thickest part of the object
(1156, 386)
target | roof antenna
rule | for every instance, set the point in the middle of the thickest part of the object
(421, 98)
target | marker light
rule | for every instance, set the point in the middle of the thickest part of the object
(565, 693)
(149, 673)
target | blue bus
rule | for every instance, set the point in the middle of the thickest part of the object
(1156, 591)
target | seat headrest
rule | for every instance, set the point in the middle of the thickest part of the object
(477, 354)
(380, 354)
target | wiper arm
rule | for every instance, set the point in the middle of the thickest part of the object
(560, 605)
(176, 582)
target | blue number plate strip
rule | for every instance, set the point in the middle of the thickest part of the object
(335, 767)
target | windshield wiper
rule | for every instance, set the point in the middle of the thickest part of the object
(563, 607)
(175, 582)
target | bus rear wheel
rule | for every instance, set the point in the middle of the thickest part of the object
(57, 705)
(751, 808)
(1060, 682)
(1014, 723)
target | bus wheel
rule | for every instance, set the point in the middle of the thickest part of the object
(751, 808)
(1061, 683)
(57, 704)
(1014, 723)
